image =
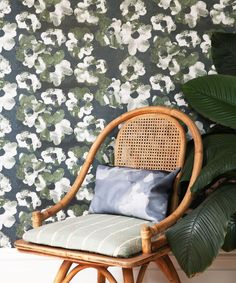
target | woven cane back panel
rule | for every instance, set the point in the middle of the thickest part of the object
(153, 141)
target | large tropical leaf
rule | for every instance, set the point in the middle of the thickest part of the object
(224, 162)
(224, 52)
(212, 146)
(196, 239)
(214, 97)
(230, 239)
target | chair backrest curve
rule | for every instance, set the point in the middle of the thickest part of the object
(171, 117)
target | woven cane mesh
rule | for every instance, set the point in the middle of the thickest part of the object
(154, 141)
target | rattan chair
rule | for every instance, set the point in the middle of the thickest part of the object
(149, 138)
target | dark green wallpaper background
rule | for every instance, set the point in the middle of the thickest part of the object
(67, 68)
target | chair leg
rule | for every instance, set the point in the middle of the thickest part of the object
(61, 274)
(166, 266)
(141, 273)
(128, 275)
(101, 278)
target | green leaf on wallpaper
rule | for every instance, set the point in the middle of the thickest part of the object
(162, 47)
(79, 150)
(224, 52)
(188, 60)
(214, 97)
(78, 209)
(161, 100)
(25, 223)
(2, 82)
(45, 194)
(50, 177)
(2, 201)
(50, 118)
(58, 56)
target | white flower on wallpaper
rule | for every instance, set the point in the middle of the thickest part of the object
(136, 36)
(30, 168)
(58, 72)
(198, 10)
(188, 38)
(40, 183)
(28, 140)
(89, 11)
(109, 94)
(166, 51)
(180, 101)
(80, 43)
(53, 96)
(199, 124)
(162, 83)
(7, 218)
(7, 155)
(72, 160)
(61, 187)
(30, 51)
(219, 13)
(28, 81)
(174, 67)
(7, 34)
(80, 105)
(5, 126)
(54, 132)
(86, 192)
(133, 9)
(39, 5)
(53, 155)
(5, 67)
(88, 129)
(134, 95)
(76, 158)
(132, 68)
(90, 70)
(173, 5)
(61, 10)
(196, 70)
(7, 94)
(4, 241)
(163, 23)
(5, 9)
(60, 216)
(5, 185)
(110, 34)
(53, 36)
(28, 199)
(206, 43)
(29, 110)
(28, 21)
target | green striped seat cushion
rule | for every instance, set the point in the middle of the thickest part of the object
(113, 235)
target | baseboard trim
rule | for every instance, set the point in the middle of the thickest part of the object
(21, 267)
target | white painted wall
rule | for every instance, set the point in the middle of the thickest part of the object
(17, 267)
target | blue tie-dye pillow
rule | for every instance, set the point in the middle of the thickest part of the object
(132, 192)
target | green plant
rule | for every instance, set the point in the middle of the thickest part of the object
(197, 238)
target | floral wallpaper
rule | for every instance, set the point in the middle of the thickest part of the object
(67, 68)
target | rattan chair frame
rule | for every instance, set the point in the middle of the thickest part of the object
(152, 250)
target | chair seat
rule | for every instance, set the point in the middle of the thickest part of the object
(112, 235)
